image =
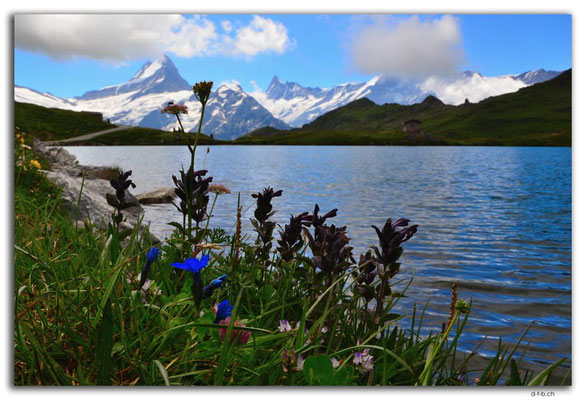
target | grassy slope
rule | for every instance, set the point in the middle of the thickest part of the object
(144, 136)
(55, 124)
(536, 115)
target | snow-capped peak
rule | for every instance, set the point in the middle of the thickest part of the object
(150, 68)
(158, 76)
(230, 85)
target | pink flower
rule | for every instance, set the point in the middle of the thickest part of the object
(238, 335)
(291, 363)
(363, 361)
(284, 326)
(218, 189)
(174, 109)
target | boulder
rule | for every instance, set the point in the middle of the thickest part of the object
(163, 195)
(91, 204)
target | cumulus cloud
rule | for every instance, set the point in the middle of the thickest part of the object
(473, 87)
(411, 48)
(227, 26)
(262, 35)
(119, 38)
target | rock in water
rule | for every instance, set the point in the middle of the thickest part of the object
(163, 195)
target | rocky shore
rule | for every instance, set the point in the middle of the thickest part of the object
(93, 182)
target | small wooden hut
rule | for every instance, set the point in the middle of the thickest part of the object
(411, 127)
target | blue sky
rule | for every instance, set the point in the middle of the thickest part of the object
(70, 58)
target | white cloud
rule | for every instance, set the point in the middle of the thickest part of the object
(119, 38)
(411, 47)
(262, 35)
(227, 26)
(474, 87)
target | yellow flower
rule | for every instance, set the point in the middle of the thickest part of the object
(36, 164)
(21, 140)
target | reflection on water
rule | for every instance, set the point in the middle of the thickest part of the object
(496, 220)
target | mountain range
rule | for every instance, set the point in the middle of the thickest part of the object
(536, 115)
(231, 112)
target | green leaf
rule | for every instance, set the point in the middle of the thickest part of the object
(124, 234)
(543, 377)
(515, 379)
(104, 343)
(266, 292)
(391, 317)
(318, 370)
(128, 205)
(163, 372)
(344, 376)
(207, 318)
(177, 225)
(112, 200)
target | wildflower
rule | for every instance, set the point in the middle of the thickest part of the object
(202, 91)
(192, 188)
(390, 240)
(291, 241)
(121, 183)
(36, 164)
(223, 311)
(316, 220)
(151, 257)
(363, 361)
(284, 326)
(218, 189)
(195, 266)
(215, 284)
(462, 306)
(174, 109)
(238, 336)
(263, 203)
(300, 363)
(145, 288)
(288, 362)
(262, 225)
(335, 363)
(21, 140)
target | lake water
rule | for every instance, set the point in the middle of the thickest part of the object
(496, 220)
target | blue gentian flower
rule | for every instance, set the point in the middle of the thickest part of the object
(216, 283)
(224, 311)
(151, 257)
(195, 266)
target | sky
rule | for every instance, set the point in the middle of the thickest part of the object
(68, 55)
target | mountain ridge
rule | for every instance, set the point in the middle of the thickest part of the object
(284, 104)
(537, 115)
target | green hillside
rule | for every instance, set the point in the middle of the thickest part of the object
(139, 136)
(538, 115)
(55, 124)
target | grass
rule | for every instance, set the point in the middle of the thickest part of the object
(538, 115)
(142, 136)
(79, 317)
(55, 124)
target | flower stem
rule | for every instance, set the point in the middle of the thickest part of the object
(203, 109)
